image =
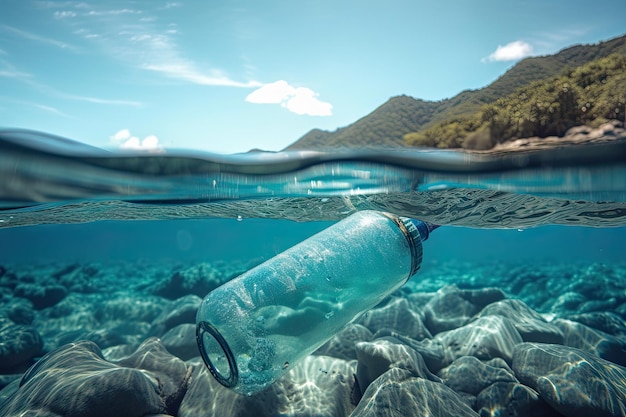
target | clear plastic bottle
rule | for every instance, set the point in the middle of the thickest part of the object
(253, 328)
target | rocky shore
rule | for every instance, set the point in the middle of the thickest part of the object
(576, 135)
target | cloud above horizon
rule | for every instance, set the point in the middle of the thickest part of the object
(124, 140)
(512, 51)
(298, 100)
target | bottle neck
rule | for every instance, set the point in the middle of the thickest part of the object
(409, 229)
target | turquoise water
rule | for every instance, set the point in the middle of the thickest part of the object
(560, 213)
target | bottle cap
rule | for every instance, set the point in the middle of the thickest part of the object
(424, 228)
(413, 237)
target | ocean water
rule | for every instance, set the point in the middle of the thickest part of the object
(118, 248)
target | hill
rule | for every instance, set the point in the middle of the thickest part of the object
(590, 94)
(387, 125)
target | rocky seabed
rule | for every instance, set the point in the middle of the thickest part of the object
(501, 340)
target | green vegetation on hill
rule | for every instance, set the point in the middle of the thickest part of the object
(402, 115)
(590, 94)
(385, 126)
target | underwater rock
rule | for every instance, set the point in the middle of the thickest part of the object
(452, 307)
(104, 338)
(499, 363)
(78, 279)
(418, 300)
(470, 375)
(567, 302)
(198, 280)
(377, 357)
(131, 307)
(594, 341)
(81, 317)
(319, 386)
(396, 316)
(76, 381)
(18, 310)
(573, 382)
(18, 344)
(181, 341)
(42, 296)
(530, 325)
(181, 311)
(598, 305)
(171, 373)
(512, 399)
(601, 284)
(398, 393)
(8, 279)
(431, 350)
(604, 321)
(342, 345)
(485, 338)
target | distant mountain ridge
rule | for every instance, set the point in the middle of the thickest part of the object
(387, 125)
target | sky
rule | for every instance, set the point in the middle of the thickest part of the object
(230, 76)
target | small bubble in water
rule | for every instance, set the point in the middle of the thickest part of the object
(239, 218)
(329, 315)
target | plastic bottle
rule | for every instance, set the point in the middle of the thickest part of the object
(255, 327)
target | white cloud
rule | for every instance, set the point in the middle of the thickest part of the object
(145, 42)
(299, 100)
(305, 102)
(120, 136)
(64, 14)
(9, 73)
(272, 93)
(172, 4)
(8, 70)
(97, 100)
(51, 110)
(184, 70)
(34, 37)
(512, 51)
(124, 140)
(112, 12)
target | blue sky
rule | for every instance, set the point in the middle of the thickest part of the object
(228, 76)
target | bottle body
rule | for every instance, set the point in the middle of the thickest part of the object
(253, 328)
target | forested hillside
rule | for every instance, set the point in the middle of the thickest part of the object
(590, 94)
(388, 124)
(385, 126)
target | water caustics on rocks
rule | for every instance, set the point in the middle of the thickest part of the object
(69, 182)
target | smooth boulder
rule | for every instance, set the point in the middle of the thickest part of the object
(573, 382)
